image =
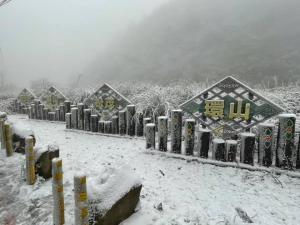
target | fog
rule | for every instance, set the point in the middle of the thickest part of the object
(57, 39)
(151, 40)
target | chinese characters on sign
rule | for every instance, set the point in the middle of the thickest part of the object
(229, 106)
(26, 97)
(52, 99)
(215, 108)
(106, 102)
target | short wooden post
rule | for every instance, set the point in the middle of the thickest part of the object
(62, 112)
(57, 115)
(298, 154)
(204, 137)
(107, 127)
(189, 139)
(176, 131)
(101, 126)
(81, 200)
(67, 105)
(265, 144)
(8, 139)
(139, 129)
(30, 112)
(247, 148)
(30, 161)
(122, 122)
(80, 116)
(146, 121)
(33, 111)
(74, 118)
(163, 133)
(68, 120)
(150, 135)
(218, 149)
(51, 116)
(87, 119)
(285, 140)
(41, 111)
(45, 114)
(231, 150)
(94, 123)
(2, 136)
(58, 192)
(115, 125)
(130, 114)
(36, 109)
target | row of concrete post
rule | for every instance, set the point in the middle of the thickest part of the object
(126, 122)
(18, 107)
(37, 110)
(200, 141)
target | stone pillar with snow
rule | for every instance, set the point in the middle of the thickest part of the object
(163, 133)
(285, 140)
(80, 116)
(87, 119)
(231, 150)
(150, 135)
(176, 131)
(130, 118)
(247, 148)
(265, 144)
(218, 149)
(204, 138)
(189, 140)
(122, 122)
(74, 118)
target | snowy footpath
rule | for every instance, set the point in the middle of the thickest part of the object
(190, 193)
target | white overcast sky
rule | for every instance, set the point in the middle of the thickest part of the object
(59, 38)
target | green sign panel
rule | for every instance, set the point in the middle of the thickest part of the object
(106, 101)
(52, 99)
(229, 107)
(26, 97)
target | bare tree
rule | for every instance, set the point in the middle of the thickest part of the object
(3, 2)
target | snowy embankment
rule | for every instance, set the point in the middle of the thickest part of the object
(190, 192)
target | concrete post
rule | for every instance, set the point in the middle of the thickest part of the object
(58, 192)
(189, 140)
(122, 122)
(218, 149)
(130, 114)
(231, 150)
(87, 119)
(74, 118)
(162, 133)
(30, 161)
(150, 135)
(176, 131)
(81, 201)
(247, 148)
(265, 144)
(285, 140)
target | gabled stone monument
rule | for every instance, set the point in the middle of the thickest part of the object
(106, 102)
(229, 107)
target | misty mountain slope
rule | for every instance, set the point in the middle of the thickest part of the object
(197, 39)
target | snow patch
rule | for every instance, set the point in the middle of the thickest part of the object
(110, 184)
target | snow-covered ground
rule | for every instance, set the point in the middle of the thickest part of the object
(191, 193)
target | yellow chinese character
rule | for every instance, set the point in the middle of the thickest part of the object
(238, 114)
(99, 103)
(109, 103)
(214, 108)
